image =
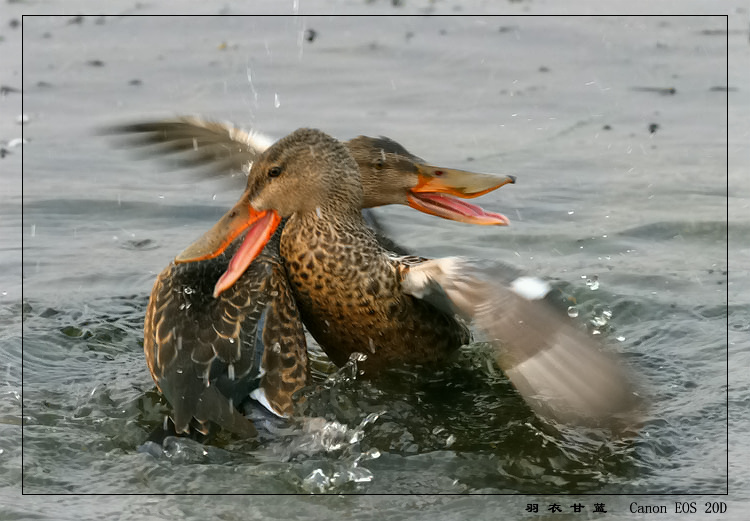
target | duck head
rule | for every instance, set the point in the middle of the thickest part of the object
(393, 175)
(309, 171)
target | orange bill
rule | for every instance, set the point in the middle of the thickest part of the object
(438, 188)
(260, 227)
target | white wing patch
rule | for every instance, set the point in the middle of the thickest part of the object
(530, 288)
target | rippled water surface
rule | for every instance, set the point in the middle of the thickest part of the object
(621, 199)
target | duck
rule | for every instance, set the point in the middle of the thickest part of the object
(209, 353)
(357, 298)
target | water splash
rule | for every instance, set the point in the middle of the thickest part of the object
(593, 283)
(600, 321)
(250, 82)
(331, 436)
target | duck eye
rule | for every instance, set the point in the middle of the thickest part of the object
(379, 163)
(274, 171)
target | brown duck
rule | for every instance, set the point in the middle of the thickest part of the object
(356, 297)
(206, 354)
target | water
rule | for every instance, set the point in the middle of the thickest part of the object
(632, 224)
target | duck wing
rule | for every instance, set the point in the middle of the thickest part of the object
(207, 355)
(559, 370)
(222, 147)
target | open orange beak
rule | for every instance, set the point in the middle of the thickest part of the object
(260, 227)
(438, 188)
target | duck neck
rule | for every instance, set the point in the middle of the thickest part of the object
(328, 230)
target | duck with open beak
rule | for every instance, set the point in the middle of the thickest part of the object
(355, 297)
(392, 175)
(206, 354)
(345, 284)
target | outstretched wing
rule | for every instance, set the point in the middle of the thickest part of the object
(221, 147)
(559, 370)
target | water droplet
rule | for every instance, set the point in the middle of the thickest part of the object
(33, 230)
(188, 290)
(571, 212)
(230, 372)
(621, 338)
(360, 475)
(276, 102)
(372, 454)
(450, 440)
(572, 312)
(358, 357)
(599, 322)
(593, 283)
(371, 418)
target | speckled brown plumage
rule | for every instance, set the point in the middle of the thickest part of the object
(207, 355)
(346, 285)
(347, 288)
(189, 333)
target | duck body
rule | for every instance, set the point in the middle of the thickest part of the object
(209, 355)
(355, 297)
(347, 288)
(208, 351)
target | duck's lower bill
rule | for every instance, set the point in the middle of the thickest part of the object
(255, 240)
(449, 207)
(260, 226)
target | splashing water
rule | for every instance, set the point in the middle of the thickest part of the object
(250, 82)
(593, 283)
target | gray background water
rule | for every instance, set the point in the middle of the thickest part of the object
(557, 101)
